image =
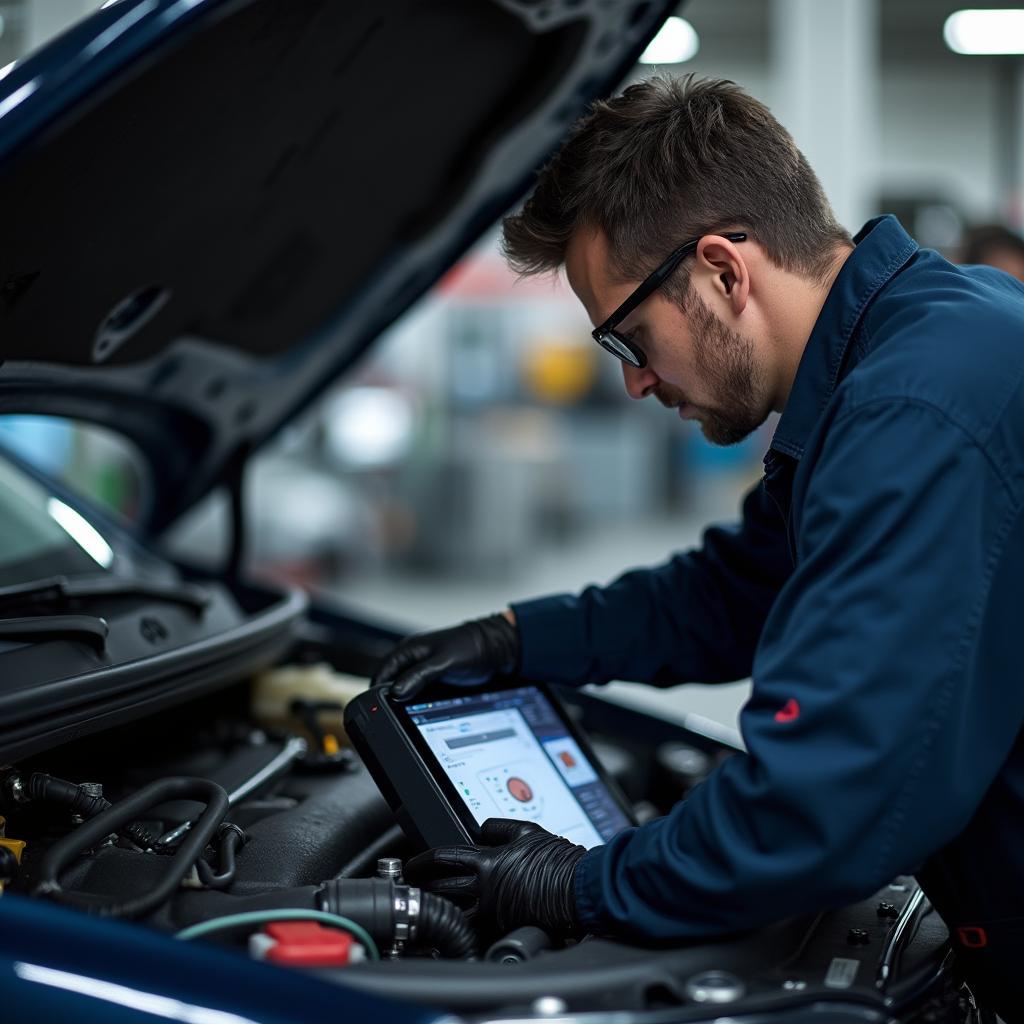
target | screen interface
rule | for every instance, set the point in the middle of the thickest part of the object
(509, 756)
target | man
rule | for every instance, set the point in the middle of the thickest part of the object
(995, 246)
(873, 590)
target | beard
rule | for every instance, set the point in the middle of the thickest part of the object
(725, 361)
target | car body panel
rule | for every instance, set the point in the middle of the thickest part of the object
(213, 208)
(58, 964)
(191, 255)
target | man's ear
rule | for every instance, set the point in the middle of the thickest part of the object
(722, 263)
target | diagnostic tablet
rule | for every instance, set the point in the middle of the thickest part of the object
(448, 764)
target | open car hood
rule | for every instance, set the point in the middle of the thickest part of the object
(212, 207)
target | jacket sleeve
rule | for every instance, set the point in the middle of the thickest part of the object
(873, 731)
(697, 618)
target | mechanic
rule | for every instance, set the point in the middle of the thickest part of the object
(873, 589)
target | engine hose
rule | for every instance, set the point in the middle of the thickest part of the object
(59, 791)
(231, 837)
(78, 800)
(389, 912)
(442, 926)
(115, 817)
(402, 913)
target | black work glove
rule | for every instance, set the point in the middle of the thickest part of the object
(470, 653)
(521, 874)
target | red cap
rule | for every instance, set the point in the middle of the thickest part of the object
(308, 944)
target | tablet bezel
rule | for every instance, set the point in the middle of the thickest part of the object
(440, 692)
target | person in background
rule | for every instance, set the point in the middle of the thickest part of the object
(995, 246)
(873, 588)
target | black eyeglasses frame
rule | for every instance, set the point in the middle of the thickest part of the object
(620, 346)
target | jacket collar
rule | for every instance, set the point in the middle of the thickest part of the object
(882, 248)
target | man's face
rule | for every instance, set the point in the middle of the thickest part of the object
(695, 362)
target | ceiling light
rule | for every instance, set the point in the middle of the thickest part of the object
(676, 42)
(978, 31)
(369, 426)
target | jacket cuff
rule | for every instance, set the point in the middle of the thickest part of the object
(552, 640)
(587, 890)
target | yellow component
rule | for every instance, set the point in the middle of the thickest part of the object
(559, 371)
(273, 692)
(15, 846)
(331, 745)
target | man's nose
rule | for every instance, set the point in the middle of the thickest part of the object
(639, 383)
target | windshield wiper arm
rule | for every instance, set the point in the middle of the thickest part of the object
(87, 628)
(61, 590)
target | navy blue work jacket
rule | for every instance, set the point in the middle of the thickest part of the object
(874, 592)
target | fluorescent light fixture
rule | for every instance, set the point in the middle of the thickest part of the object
(676, 42)
(985, 31)
(81, 532)
(7, 69)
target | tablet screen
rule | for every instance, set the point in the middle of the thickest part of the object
(509, 755)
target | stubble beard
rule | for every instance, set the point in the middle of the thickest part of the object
(725, 361)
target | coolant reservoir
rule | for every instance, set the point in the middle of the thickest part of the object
(276, 691)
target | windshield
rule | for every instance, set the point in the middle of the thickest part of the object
(41, 535)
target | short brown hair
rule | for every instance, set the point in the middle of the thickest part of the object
(668, 159)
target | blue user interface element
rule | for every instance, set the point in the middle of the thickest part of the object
(509, 756)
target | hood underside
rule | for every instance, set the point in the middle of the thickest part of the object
(213, 206)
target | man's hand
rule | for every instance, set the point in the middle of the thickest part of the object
(470, 653)
(521, 874)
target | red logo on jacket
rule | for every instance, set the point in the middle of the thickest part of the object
(789, 712)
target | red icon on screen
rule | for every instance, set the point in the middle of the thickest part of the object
(567, 759)
(519, 789)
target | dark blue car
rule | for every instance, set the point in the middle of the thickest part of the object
(210, 209)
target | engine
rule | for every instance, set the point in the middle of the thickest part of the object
(244, 818)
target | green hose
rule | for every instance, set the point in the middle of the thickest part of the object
(219, 924)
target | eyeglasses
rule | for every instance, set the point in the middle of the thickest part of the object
(618, 344)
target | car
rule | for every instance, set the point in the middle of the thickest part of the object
(211, 209)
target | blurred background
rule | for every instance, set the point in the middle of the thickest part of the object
(485, 450)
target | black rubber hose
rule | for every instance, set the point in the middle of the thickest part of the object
(59, 791)
(231, 839)
(442, 926)
(519, 945)
(50, 789)
(383, 908)
(65, 850)
(368, 901)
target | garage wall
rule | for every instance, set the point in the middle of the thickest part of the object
(939, 127)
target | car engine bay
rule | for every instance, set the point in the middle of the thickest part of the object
(243, 818)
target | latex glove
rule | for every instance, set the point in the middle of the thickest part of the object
(470, 653)
(520, 874)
